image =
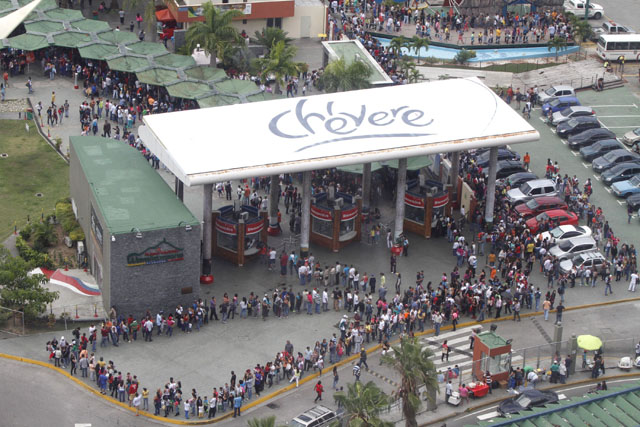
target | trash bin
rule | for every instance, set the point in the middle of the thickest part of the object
(29, 113)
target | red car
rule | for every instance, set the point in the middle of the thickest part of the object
(538, 205)
(555, 217)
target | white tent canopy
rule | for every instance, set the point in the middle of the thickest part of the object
(298, 134)
(9, 22)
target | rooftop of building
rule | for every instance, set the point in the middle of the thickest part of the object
(129, 192)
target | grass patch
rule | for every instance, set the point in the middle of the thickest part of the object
(519, 68)
(32, 167)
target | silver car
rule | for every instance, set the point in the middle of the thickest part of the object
(631, 137)
(571, 247)
(532, 189)
(565, 232)
(569, 113)
(593, 259)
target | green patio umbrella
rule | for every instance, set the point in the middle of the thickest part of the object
(237, 86)
(188, 90)
(29, 42)
(90, 25)
(99, 51)
(157, 76)
(263, 96)
(147, 48)
(44, 27)
(175, 61)
(71, 39)
(208, 74)
(64, 14)
(218, 101)
(118, 37)
(128, 64)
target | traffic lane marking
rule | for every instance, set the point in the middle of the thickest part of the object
(621, 202)
(584, 164)
(596, 177)
(615, 117)
(614, 106)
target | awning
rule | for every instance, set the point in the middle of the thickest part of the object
(188, 90)
(65, 15)
(147, 48)
(118, 37)
(164, 15)
(128, 64)
(237, 86)
(70, 39)
(28, 42)
(99, 51)
(173, 60)
(263, 96)
(208, 74)
(44, 27)
(157, 76)
(218, 101)
(90, 25)
(413, 164)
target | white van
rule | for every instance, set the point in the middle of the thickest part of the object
(315, 417)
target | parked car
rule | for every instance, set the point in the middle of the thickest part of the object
(503, 154)
(610, 28)
(578, 7)
(540, 204)
(613, 158)
(634, 201)
(517, 179)
(587, 259)
(569, 113)
(588, 137)
(559, 104)
(563, 232)
(577, 125)
(506, 168)
(627, 187)
(620, 172)
(632, 136)
(555, 92)
(531, 189)
(573, 246)
(599, 148)
(555, 217)
(529, 398)
(315, 417)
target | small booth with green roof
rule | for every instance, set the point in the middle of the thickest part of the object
(491, 353)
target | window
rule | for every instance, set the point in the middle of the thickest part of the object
(269, 22)
(414, 214)
(244, 22)
(347, 227)
(324, 228)
(251, 243)
(536, 191)
(228, 241)
(278, 23)
(634, 45)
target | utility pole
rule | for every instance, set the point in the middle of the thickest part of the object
(586, 11)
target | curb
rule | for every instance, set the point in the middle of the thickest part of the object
(555, 386)
(314, 375)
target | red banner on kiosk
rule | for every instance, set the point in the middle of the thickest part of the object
(415, 201)
(254, 227)
(226, 228)
(349, 214)
(321, 214)
(441, 201)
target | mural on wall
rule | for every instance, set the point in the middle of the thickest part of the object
(158, 254)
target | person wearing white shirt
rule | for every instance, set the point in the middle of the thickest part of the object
(633, 281)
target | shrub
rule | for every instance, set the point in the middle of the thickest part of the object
(38, 259)
(66, 217)
(464, 55)
(26, 231)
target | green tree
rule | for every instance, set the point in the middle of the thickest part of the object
(397, 43)
(262, 422)
(416, 369)
(148, 15)
(464, 55)
(21, 291)
(278, 64)
(270, 36)
(43, 236)
(557, 43)
(417, 43)
(415, 76)
(363, 404)
(582, 31)
(216, 34)
(340, 77)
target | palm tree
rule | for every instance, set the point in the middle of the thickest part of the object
(269, 36)
(215, 34)
(148, 15)
(362, 405)
(262, 422)
(415, 367)
(557, 43)
(415, 76)
(340, 77)
(279, 64)
(417, 43)
(396, 44)
(582, 31)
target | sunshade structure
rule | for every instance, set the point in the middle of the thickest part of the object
(207, 74)
(128, 64)
(99, 51)
(90, 25)
(43, 5)
(147, 48)
(589, 342)
(71, 39)
(188, 90)
(218, 101)
(158, 77)
(237, 86)
(10, 21)
(29, 42)
(164, 15)
(118, 37)
(263, 96)
(44, 27)
(68, 15)
(175, 61)
(413, 164)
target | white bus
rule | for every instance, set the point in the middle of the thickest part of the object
(612, 46)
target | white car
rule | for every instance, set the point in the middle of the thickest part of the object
(574, 246)
(577, 7)
(569, 113)
(631, 137)
(563, 232)
(593, 260)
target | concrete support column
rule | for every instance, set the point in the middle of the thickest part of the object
(491, 188)
(274, 189)
(400, 190)
(206, 277)
(453, 174)
(366, 185)
(305, 224)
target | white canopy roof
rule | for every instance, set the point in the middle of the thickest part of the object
(298, 134)
(9, 22)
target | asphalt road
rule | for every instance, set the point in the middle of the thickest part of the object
(625, 12)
